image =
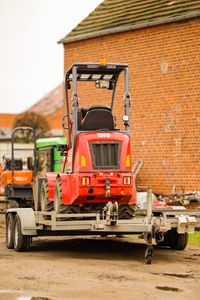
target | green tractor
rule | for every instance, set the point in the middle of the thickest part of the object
(49, 158)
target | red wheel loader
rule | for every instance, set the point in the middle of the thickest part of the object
(97, 167)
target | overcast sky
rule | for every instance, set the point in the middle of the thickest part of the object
(31, 61)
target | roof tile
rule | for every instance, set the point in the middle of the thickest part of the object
(119, 15)
(50, 102)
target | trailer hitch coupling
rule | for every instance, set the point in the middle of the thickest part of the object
(110, 213)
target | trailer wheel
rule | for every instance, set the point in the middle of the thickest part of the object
(21, 242)
(59, 207)
(176, 240)
(46, 205)
(10, 231)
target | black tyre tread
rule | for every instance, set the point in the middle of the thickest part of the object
(23, 243)
(61, 208)
(46, 205)
(10, 219)
(177, 241)
(126, 211)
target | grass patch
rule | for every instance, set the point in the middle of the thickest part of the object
(194, 239)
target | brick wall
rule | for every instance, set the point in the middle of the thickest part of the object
(164, 70)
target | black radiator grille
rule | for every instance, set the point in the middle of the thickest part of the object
(105, 155)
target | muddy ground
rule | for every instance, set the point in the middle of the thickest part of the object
(94, 268)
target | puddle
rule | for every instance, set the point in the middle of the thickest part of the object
(169, 288)
(179, 275)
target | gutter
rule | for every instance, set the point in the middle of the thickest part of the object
(67, 40)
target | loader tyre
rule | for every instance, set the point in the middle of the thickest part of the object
(126, 211)
(177, 241)
(59, 207)
(21, 242)
(10, 231)
(46, 205)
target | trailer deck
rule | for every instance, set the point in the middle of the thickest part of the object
(91, 223)
(148, 224)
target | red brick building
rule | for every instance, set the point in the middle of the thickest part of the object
(160, 40)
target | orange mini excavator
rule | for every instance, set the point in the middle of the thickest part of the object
(16, 180)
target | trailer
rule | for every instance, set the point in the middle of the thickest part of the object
(167, 226)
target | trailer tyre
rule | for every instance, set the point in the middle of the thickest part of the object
(46, 205)
(10, 231)
(21, 242)
(176, 240)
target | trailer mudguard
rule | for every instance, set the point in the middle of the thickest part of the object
(27, 218)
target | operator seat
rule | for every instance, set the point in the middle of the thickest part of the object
(18, 165)
(80, 116)
(98, 117)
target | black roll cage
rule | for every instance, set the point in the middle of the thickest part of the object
(18, 129)
(93, 72)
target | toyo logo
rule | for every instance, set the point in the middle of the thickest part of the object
(103, 135)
